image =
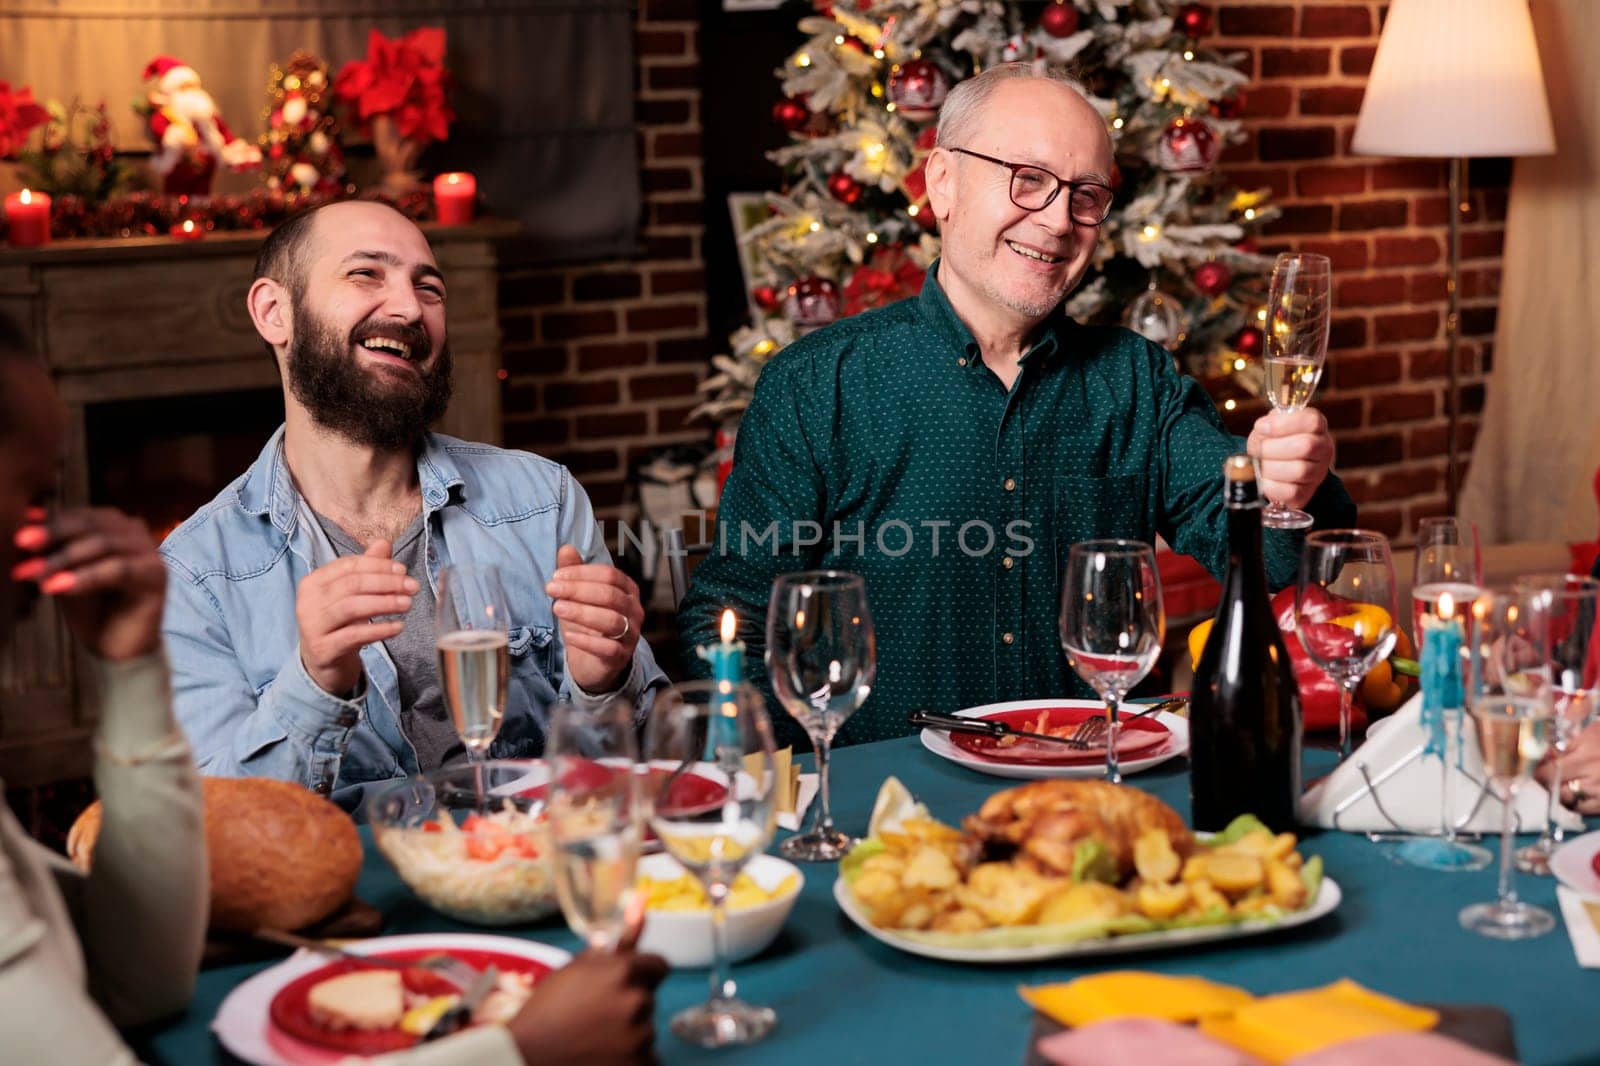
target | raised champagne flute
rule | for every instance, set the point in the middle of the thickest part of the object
(1570, 604)
(1299, 304)
(822, 657)
(1344, 610)
(472, 632)
(595, 811)
(1112, 623)
(1513, 718)
(720, 731)
(1446, 577)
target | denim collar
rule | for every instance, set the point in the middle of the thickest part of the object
(268, 489)
(934, 306)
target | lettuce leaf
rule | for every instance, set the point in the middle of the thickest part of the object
(1237, 830)
(1092, 861)
(850, 865)
(1311, 877)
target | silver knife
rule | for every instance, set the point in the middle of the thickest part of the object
(460, 1014)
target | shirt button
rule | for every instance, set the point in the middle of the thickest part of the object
(1011, 484)
(962, 361)
(1007, 638)
(347, 720)
(1008, 562)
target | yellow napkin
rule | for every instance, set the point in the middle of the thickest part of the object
(1133, 994)
(785, 776)
(1277, 1028)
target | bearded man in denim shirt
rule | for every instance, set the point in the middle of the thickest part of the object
(300, 612)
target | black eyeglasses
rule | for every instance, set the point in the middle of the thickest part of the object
(1035, 188)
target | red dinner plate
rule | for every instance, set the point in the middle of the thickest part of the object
(691, 793)
(291, 1013)
(1138, 737)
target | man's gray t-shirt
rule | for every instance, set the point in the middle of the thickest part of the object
(423, 717)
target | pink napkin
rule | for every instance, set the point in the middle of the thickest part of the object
(1141, 1040)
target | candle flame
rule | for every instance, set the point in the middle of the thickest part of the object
(27, 196)
(1447, 606)
(454, 179)
(730, 626)
(188, 225)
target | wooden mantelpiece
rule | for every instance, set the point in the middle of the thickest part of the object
(137, 319)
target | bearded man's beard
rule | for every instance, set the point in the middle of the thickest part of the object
(377, 406)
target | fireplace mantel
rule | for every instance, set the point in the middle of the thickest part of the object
(146, 318)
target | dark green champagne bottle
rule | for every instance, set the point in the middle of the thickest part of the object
(1244, 711)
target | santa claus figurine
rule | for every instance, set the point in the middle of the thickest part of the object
(190, 135)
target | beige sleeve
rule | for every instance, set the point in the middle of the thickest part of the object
(141, 913)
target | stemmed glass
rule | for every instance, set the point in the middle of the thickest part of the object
(1298, 309)
(1446, 576)
(1112, 623)
(723, 732)
(472, 632)
(1569, 604)
(595, 812)
(822, 656)
(1344, 610)
(1510, 696)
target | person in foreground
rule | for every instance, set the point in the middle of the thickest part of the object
(301, 616)
(81, 954)
(952, 447)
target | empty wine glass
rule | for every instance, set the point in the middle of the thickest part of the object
(721, 731)
(472, 632)
(1298, 310)
(1447, 570)
(1509, 692)
(822, 657)
(596, 816)
(1569, 604)
(1344, 610)
(1112, 623)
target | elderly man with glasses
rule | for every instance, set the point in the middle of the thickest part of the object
(952, 447)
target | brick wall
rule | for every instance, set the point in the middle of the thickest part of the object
(1383, 223)
(602, 359)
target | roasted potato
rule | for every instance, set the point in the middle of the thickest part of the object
(1154, 857)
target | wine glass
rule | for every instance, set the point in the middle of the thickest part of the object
(472, 632)
(1447, 572)
(1298, 308)
(721, 730)
(1344, 610)
(1112, 623)
(596, 816)
(1511, 707)
(1569, 604)
(822, 656)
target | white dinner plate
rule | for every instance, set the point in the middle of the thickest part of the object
(939, 743)
(1572, 865)
(242, 1022)
(1328, 897)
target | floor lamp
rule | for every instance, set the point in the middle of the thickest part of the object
(1455, 79)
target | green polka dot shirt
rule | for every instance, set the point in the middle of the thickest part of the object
(884, 446)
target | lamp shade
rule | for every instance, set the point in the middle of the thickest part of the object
(1456, 78)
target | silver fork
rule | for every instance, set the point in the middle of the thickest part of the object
(1093, 730)
(447, 966)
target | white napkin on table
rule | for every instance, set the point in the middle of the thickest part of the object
(1412, 795)
(803, 795)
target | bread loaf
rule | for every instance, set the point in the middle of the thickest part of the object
(281, 857)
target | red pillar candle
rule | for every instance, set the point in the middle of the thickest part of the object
(27, 219)
(188, 230)
(454, 195)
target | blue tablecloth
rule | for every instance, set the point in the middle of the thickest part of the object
(843, 997)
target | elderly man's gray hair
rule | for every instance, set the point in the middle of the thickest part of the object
(964, 105)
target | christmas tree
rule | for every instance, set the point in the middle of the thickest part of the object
(851, 229)
(301, 149)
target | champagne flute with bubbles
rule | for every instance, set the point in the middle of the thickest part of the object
(1510, 697)
(472, 632)
(1299, 306)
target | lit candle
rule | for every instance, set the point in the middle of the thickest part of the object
(188, 230)
(27, 219)
(454, 196)
(727, 657)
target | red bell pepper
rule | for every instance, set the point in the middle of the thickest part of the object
(1319, 692)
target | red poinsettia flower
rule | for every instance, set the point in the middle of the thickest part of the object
(19, 114)
(404, 78)
(890, 276)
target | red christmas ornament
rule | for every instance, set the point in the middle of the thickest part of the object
(1249, 245)
(855, 44)
(1193, 20)
(1248, 341)
(1116, 177)
(812, 303)
(791, 114)
(1188, 147)
(917, 89)
(844, 188)
(766, 297)
(1059, 19)
(1212, 278)
(1229, 106)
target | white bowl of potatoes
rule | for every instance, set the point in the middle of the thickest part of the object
(677, 923)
